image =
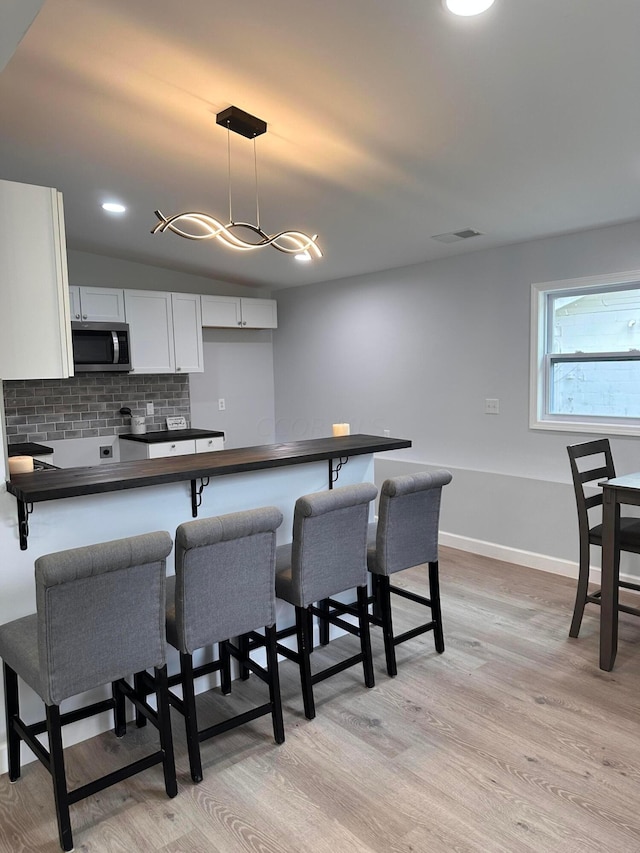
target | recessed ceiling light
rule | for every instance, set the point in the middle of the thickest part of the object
(113, 207)
(467, 7)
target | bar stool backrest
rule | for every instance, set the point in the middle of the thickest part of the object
(329, 549)
(225, 576)
(408, 519)
(101, 613)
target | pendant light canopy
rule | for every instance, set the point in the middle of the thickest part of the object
(242, 236)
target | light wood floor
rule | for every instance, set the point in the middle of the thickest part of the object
(513, 740)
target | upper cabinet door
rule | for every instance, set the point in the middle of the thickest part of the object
(150, 318)
(221, 311)
(35, 330)
(98, 304)
(235, 311)
(259, 313)
(187, 332)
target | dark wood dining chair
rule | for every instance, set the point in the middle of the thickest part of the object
(600, 467)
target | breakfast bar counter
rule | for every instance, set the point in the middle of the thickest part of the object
(39, 486)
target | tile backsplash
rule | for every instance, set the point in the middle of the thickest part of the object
(88, 405)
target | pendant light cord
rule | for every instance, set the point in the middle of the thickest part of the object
(255, 163)
(229, 169)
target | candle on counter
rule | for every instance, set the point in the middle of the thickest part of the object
(20, 464)
(342, 429)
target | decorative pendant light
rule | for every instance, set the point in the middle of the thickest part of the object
(202, 226)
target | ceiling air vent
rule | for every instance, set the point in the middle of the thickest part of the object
(456, 236)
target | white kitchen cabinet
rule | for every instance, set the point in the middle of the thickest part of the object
(150, 318)
(187, 332)
(35, 330)
(97, 304)
(234, 311)
(131, 451)
(166, 331)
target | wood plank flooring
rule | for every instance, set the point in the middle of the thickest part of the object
(513, 740)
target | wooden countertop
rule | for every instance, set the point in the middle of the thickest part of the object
(116, 476)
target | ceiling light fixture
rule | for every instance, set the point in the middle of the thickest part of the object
(202, 226)
(467, 7)
(113, 207)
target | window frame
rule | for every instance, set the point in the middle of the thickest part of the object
(540, 360)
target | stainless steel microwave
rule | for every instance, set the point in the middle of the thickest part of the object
(100, 346)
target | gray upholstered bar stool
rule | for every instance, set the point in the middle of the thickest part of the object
(224, 587)
(406, 535)
(100, 617)
(328, 555)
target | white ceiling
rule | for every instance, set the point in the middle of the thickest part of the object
(389, 122)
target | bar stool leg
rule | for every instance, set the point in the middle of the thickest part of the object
(225, 667)
(164, 730)
(60, 794)
(138, 684)
(12, 712)
(387, 624)
(436, 613)
(243, 646)
(365, 637)
(274, 683)
(190, 717)
(375, 594)
(302, 629)
(323, 623)
(119, 712)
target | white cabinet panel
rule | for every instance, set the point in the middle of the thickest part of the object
(221, 311)
(187, 332)
(97, 304)
(170, 448)
(207, 445)
(150, 318)
(234, 311)
(259, 313)
(35, 331)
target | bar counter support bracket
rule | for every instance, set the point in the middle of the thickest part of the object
(24, 511)
(334, 473)
(196, 494)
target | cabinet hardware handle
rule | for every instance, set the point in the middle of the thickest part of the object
(84, 316)
(178, 369)
(239, 322)
(244, 322)
(173, 447)
(77, 316)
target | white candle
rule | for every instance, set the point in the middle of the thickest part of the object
(342, 429)
(20, 464)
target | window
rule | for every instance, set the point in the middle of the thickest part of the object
(585, 355)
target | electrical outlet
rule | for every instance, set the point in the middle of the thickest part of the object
(221, 404)
(149, 408)
(491, 406)
(106, 451)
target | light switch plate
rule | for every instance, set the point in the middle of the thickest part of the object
(177, 422)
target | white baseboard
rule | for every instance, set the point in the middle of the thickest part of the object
(531, 560)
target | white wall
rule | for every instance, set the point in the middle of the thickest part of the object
(238, 367)
(417, 350)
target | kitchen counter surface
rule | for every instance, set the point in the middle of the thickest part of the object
(28, 448)
(73, 482)
(158, 436)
